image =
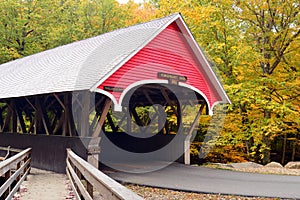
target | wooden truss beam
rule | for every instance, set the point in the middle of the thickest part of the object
(104, 113)
(1, 116)
(21, 119)
(7, 120)
(111, 123)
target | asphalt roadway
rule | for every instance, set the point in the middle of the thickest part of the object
(205, 180)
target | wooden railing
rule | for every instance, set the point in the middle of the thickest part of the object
(13, 172)
(87, 180)
(11, 149)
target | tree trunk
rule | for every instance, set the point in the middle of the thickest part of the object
(284, 149)
(266, 140)
(245, 122)
(294, 149)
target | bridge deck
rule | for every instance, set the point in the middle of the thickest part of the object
(45, 185)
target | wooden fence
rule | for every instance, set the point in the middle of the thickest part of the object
(10, 149)
(13, 172)
(86, 180)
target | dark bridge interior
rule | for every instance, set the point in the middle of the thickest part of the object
(53, 122)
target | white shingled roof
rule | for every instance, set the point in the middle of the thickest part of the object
(58, 69)
(82, 65)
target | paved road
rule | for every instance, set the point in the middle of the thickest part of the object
(200, 179)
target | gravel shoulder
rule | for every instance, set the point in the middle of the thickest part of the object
(251, 167)
(151, 193)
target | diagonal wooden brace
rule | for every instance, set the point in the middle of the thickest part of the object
(187, 141)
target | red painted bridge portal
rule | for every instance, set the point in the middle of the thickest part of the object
(168, 53)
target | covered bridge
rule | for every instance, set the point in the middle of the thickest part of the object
(73, 95)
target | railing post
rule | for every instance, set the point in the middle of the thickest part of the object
(93, 152)
(78, 174)
(90, 188)
(7, 176)
(18, 167)
(186, 146)
(27, 167)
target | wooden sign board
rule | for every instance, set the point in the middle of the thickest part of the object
(113, 89)
(173, 78)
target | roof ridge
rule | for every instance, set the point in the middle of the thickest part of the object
(153, 20)
(131, 26)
